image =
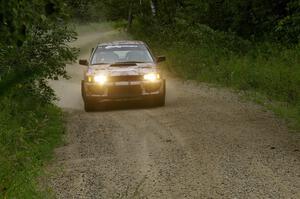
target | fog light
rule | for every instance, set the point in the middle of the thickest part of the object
(151, 76)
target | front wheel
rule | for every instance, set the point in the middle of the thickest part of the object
(89, 106)
(82, 90)
(160, 100)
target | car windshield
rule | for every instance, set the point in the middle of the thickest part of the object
(111, 54)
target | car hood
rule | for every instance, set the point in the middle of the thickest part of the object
(123, 69)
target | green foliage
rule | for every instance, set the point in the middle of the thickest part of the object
(29, 130)
(248, 45)
(255, 19)
(95, 11)
(207, 55)
(34, 49)
(18, 16)
(258, 19)
(86, 10)
(288, 28)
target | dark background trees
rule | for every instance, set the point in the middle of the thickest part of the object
(259, 19)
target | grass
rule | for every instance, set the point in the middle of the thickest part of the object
(270, 72)
(282, 109)
(29, 131)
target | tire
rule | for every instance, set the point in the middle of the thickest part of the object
(89, 106)
(83, 90)
(160, 100)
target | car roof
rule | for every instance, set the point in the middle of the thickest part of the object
(125, 42)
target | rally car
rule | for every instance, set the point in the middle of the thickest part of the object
(122, 71)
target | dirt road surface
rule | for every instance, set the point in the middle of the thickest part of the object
(205, 143)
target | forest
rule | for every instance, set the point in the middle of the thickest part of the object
(276, 21)
(252, 46)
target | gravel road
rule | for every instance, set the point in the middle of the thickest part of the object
(205, 143)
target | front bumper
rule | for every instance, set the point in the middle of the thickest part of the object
(119, 91)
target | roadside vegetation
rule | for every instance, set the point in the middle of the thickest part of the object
(33, 49)
(30, 130)
(252, 46)
(266, 72)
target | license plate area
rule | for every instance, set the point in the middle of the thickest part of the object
(125, 91)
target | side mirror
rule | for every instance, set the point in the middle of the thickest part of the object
(161, 59)
(83, 62)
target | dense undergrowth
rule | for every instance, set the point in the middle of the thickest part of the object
(269, 72)
(34, 48)
(29, 131)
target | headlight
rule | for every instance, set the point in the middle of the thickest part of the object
(152, 77)
(101, 79)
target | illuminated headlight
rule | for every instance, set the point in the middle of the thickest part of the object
(152, 77)
(100, 79)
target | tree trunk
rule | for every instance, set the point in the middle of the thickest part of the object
(153, 8)
(130, 16)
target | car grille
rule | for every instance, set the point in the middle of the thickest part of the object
(126, 78)
(125, 91)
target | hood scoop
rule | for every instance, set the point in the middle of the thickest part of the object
(122, 64)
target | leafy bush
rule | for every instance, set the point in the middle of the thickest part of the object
(288, 28)
(29, 130)
(212, 56)
(34, 48)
